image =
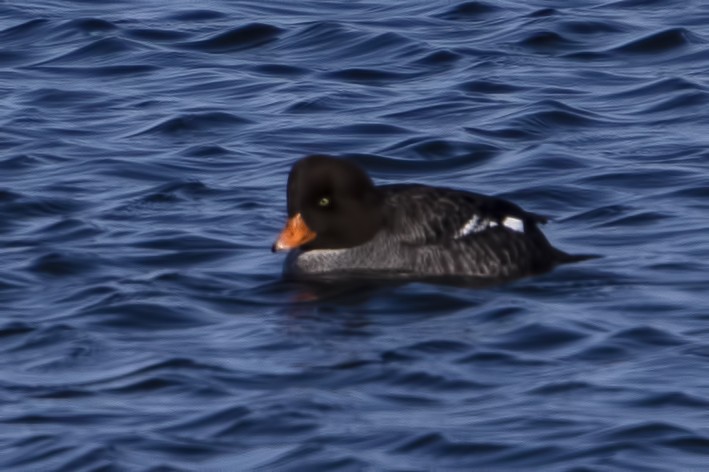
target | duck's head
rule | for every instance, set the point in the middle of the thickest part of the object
(332, 204)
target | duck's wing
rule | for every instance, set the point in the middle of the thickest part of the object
(421, 215)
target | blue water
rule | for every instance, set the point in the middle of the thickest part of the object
(144, 151)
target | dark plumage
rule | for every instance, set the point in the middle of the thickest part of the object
(342, 223)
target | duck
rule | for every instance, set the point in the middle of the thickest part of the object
(339, 222)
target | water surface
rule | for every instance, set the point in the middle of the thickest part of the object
(144, 324)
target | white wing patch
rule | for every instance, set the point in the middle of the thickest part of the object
(474, 225)
(515, 224)
(477, 224)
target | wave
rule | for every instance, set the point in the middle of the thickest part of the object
(244, 37)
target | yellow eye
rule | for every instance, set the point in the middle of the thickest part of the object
(324, 201)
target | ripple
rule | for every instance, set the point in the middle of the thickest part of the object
(634, 218)
(8, 196)
(98, 52)
(556, 114)
(182, 243)
(248, 36)
(14, 329)
(87, 457)
(98, 71)
(371, 129)
(642, 3)
(60, 97)
(660, 87)
(649, 336)
(22, 206)
(280, 70)
(657, 43)
(175, 192)
(284, 423)
(439, 58)
(694, 444)
(144, 316)
(544, 13)
(545, 40)
(503, 133)
(154, 35)
(438, 347)
(431, 154)
(489, 87)
(437, 444)
(547, 116)
(65, 263)
(205, 151)
(24, 31)
(646, 431)
(682, 103)
(91, 25)
(314, 105)
(572, 386)
(670, 400)
(42, 449)
(500, 359)
(191, 123)
(197, 15)
(368, 76)
(69, 229)
(301, 455)
(314, 36)
(389, 44)
(535, 337)
(469, 11)
(591, 27)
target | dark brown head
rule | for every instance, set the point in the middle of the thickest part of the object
(332, 204)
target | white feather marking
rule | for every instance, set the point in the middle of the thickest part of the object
(468, 227)
(515, 224)
(477, 224)
(474, 225)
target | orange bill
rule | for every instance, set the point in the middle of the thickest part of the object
(295, 234)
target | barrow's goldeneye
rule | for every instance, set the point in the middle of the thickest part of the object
(340, 222)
